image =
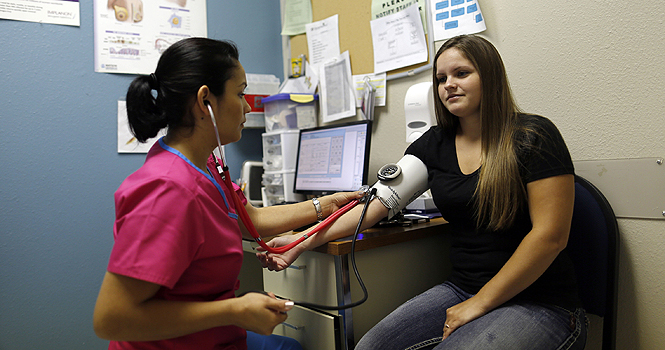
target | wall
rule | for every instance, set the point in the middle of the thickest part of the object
(60, 167)
(596, 69)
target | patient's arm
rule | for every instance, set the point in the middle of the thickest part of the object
(342, 227)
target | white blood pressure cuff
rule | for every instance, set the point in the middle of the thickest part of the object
(399, 184)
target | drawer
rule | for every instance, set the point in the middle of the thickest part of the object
(314, 330)
(278, 188)
(272, 162)
(279, 150)
(275, 190)
(310, 278)
(272, 200)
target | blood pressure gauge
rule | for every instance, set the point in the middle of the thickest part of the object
(389, 172)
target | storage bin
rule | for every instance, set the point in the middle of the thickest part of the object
(290, 111)
(280, 150)
(278, 188)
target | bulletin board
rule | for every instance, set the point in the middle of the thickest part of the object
(355, 35)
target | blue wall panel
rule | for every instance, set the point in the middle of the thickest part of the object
(60, 168)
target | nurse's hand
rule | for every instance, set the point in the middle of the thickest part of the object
(280, 261)
(332, 203)
(260, 313)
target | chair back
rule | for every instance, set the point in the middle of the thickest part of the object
(593, 246)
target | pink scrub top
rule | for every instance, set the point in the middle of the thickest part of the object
(176, 226)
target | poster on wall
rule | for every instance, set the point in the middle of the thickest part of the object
(130, 35)
(65, 12)
(127, 143)
(455, 17)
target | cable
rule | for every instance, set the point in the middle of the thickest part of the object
(353, 264)
(223, 171)
(244, 216)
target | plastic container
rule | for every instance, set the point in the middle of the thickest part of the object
(280, 150)
(290, 111)
(278, 188)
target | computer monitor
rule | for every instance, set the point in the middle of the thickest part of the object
(333, 158)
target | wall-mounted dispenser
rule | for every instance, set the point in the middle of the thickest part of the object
(418, 110)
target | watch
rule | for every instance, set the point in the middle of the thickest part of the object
(317, 206)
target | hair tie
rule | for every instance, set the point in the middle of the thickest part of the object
(154, 83)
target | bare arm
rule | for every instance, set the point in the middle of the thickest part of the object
(126, 310)
(551, 209)
(273, 220)
(342, 227)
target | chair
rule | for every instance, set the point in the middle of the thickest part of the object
(593, 246)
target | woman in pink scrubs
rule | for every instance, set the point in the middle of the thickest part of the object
(174, 266)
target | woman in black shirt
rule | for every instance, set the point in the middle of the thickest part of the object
(505, 181)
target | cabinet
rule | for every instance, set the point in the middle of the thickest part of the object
(279, 164)
(278, 188)
(312, 328)
(396, 263)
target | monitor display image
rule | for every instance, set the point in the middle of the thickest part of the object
(333, 158)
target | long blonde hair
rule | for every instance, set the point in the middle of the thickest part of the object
(500, 193)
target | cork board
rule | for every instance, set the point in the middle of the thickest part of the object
(355, 34)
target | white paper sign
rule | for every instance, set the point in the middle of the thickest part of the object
(399, 40)
(42, 11)
(338, 99)
(322, 40)
(455, 17)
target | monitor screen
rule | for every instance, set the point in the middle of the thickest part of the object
(333, 158)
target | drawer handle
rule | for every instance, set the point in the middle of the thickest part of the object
(297, 328)
(297, 267)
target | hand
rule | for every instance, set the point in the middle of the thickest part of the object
(278, 262)
(461, 314)
(334, 202)
(260, 313)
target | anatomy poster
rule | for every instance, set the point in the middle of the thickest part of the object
(130, 35)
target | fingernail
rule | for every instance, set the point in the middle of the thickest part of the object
(289, 305)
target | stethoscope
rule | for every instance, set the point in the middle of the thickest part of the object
(223, 171)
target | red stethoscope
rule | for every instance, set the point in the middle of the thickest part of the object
(244, 216)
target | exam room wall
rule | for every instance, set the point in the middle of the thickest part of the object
(60, 167)
(596, 68)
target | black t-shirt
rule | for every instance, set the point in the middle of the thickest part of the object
(477, 253)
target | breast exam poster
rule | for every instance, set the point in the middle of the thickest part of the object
(130, 35)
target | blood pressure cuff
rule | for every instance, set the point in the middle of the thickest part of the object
(399, 184)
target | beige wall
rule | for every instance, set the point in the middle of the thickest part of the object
(596, 68)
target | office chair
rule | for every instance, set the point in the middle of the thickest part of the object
(593, 246)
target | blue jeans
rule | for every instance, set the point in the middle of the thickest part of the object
(418, 324)
(271, 342)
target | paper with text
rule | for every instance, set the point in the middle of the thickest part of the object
(337, 95)
(297, 13)
(399, 40)
(379, 82)
(455, 17)
(323, 41)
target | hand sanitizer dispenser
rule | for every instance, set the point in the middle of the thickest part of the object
(418, 110)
